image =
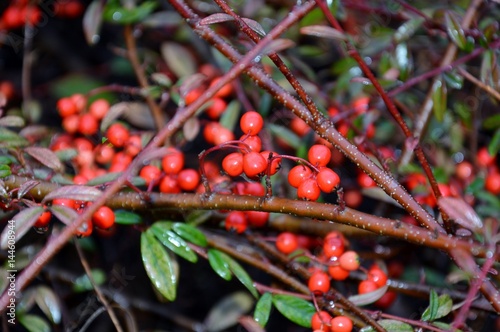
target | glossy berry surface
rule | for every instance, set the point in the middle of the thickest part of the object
(341, 324)
(349, 260)
(254, 164)
(320, 321)
(319, 155)
(298, 174)
(251, 123)
(104, 217)
(319, 282)
(236, 221)
(287, 242)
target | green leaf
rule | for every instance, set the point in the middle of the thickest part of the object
(48, 303)
(83, 284)
(124, 217)
(219, 264)
(241, 274)
(439, 94)
(117, 14)
(34, 323)
(492, 122)
(438, 307)
(263, 309)
(455, 30)
(390, 325)
(494, 145)
(297, 310)
(454, 80)
(285, 134)
(5, 171)
(407, 29)
(158, 266)
(173, 241)
(190, 233)
(231, 115)
(445, 327)
(227, 311)
(10, 139)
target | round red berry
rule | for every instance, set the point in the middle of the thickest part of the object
(188, 179)
(492, 183)
(257, 218)
(327, 180)
(319, 155)
(484, 158)
(236, 221)
(333, 246)
(173, 161)
(320, 321)
(215, 110)
(150, 173)
(168, 185)
(287, 242)
(88, 124)
(99, 108)
(251, 123)
(349, 260)
(275, 163)
(338, 273)
(232, 164)
(104, 217)
(378, 276)
(66, 107)
(117, 134)
(43, 220)
(298, 174)
(367, 286)
(254, 142)
(341, 324)
(85, 229)
(319, 282)
(254, 164)
(308, 190)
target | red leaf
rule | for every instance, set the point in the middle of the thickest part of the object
(65, 214)
(323, 31)
(216, 18)
(92, 20)
(458, 210)
(19, 225)
(46, 157)
(78, 193)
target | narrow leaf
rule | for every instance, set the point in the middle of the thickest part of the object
(255, 26)
(92, 20)
(285, 134)
(218, 264)
(190, 234)
(494, 145)
(26, 187)
(407, 29)
(124, 217)
(455, 30)
(173, 242)
(367, 298)
(231, 115)
(439, 96)
(5, 171)
(78, 193)
(158, 266)
(228, 311)
(178, 59)
(277, 45)
(323, 31)
(46, 299)
(241, 274)
(46, 156)
(461, 212)
(83, 284)
(114, 112)
(34, 323)
(390, 325)
(250, 325)
(10, 139)
(263, 309)
(430, 313)
(297, 310)
(19, 225)
(65, 214)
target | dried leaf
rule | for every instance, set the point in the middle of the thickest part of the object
(191, 129)
(19, 225)
(463, 214)
(65, 214)
(216, 18)
(92, 20)
(78, 193)
(323, 31)
(12, 121)
(368, 298)
(26, 187)
(46, 156)
(255, 26)
(277, 45)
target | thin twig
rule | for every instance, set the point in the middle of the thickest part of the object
(494, 93)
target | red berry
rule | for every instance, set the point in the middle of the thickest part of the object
(378, 276)
(88, 124)
(222, 135)
(120, 162)
(298, 174)
(365, 181)
(43, 220)
(257, 218)
(299, 126)
(168, 185)
(64, 202)
(287, 242)
(188, 179)
(367, 286)
(320, 321)
(104, 154)
(360, 104)
(71, 123)
(275, 163)
(173, 161)
(319, 282)
(319, 155)
(484, 158)
(104, 217)
(99, 108)
(338, 273)
(150, 174)
(236, 221)
(333, 246)
(254, 189)
(73, 9)
(464, 170)
(386, 300)
(327, 180)
(232, 164)
(251, 123)
(66, 107)
(308, 190)
(254, 164)
(80, 179)
(85, 229)
(215, 110)
(133, 145)
(349, 260)
(341, 324)
(192, 95)
(117, 134)
(254, 142)
(225, 91)
(492, 183)
(353, 198)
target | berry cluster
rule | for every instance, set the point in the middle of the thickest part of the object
(323, 321)
(238, 221)
(103, 218)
